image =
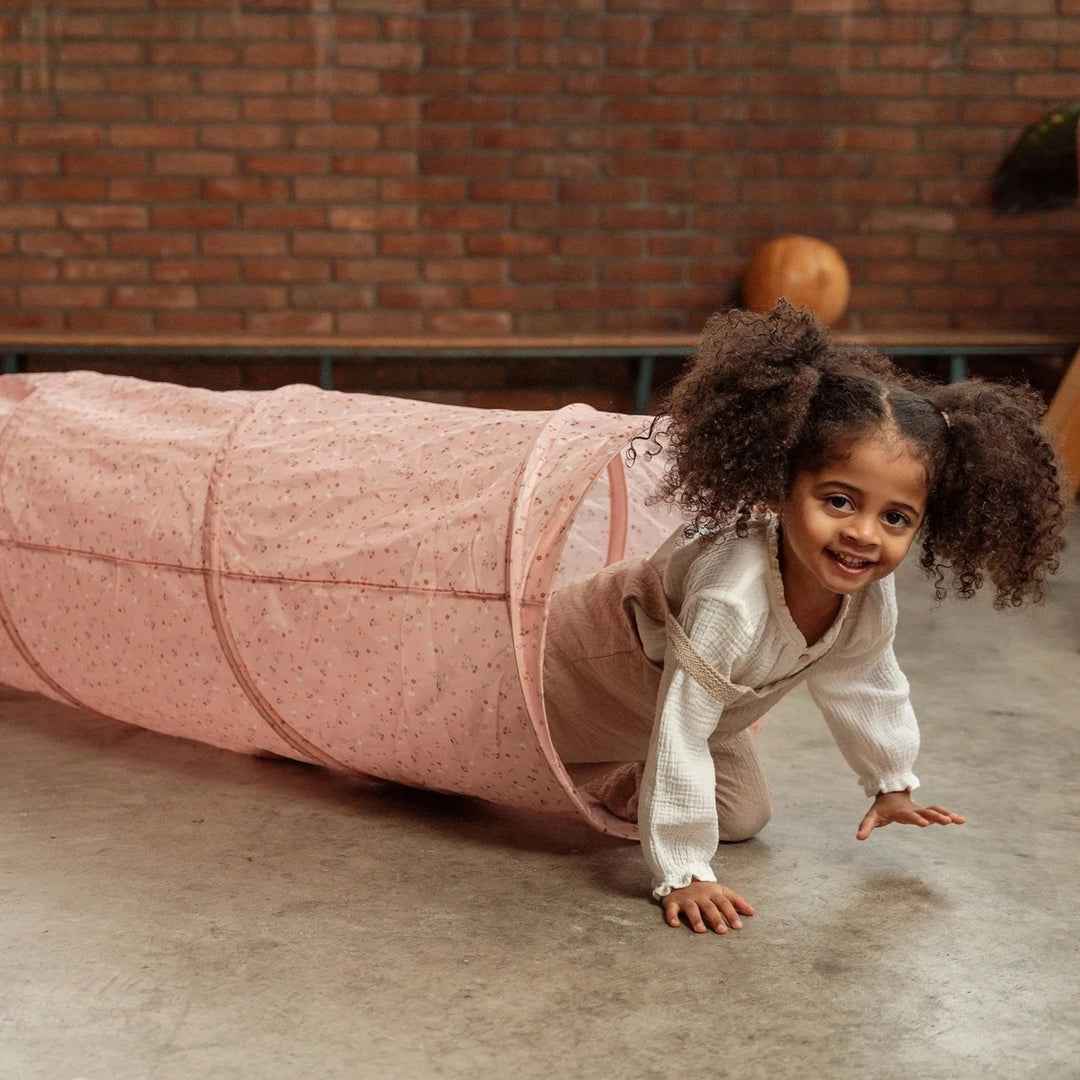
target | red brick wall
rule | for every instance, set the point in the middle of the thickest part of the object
(439, 166)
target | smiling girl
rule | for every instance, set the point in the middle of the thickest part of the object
(806, 471)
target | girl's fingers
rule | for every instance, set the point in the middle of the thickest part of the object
(727, 909)
(714, 917)
(947, 817)
(741, 904)
(693, 917)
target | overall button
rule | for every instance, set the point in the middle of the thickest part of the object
(803, 657)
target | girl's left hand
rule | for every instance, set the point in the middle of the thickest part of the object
(897, 806)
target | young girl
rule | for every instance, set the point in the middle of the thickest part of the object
(807, 470)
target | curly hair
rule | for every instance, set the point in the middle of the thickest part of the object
(770, 396)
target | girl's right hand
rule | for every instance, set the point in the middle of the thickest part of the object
(706, 902)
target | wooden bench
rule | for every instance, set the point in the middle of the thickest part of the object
(643, 349)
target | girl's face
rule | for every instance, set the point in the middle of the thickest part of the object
(853, 521)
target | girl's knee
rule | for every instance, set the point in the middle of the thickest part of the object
(743, 823)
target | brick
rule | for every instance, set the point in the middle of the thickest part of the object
(196, 270)
(193, 108)
(380, 54)
(449, 271)
(511, 297)
(503, 243)
(285, 270)
(377, 110)
(464, 218)
(224, 375)
(376, 164)
(195, 53)
(24, 270)
(1060, 87)
(152, 27)
(557, 165)
(647, 272)
(516, 191)
(105, 216)
(400, 322)
(419, 296)
(247, 242)
(193, 216)
(350, 189)
(151, 136)
(59, 136)
(422, 190)
(286, 164)
(1010, 58)
(890, 84)
(471, 322)
(423, 82)
(100, 53)
(273, 216)
(158, 244)
(285, 110)
(560, 55)
(105, 270)
(421, 244)
(110, 322)
(151, 81)
(467, 55)
(243, 297)
(153, 296)
(376, 271)
(306, 54)
(368, 218)
(241, 81)
(240, 25)
(68, 189)
(332, 296)
(472, 110)
(103, 163)
(26, 320)
(556, 218)
(63, 296)
(242, 136)
(557, 271)
(650, 56)
(606, 84)
(517, 83)
(16, 107)
(334, 137)
(193, 163)
(332, 243)
(314, 323)
(244, 189)
(485, 164)
(599, 245)
(517, 28)
(514, 138)
(889, 220)
(58, 244)
(142, 189)
(598, 191)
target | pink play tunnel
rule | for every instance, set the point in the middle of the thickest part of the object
(360, 582)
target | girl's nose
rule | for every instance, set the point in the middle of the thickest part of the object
(860, 529)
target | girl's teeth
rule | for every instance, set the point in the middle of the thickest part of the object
(855, 564)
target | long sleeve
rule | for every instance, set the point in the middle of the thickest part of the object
(677, 812)
(863, 696)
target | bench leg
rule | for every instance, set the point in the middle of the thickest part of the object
(1063, 422)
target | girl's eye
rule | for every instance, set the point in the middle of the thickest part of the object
(896, 519)
(838, 502)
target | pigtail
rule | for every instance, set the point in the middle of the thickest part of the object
(996, 508)
(732, 419)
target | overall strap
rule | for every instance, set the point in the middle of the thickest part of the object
(718, 686)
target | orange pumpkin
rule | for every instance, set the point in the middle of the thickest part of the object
(805, 271)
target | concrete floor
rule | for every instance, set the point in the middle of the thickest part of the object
(171, 911)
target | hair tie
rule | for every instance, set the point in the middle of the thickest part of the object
(945, 417)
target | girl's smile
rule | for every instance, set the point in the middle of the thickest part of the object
(849, 523)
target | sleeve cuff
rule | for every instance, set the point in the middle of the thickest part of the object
(896, 782)
(680, 881)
